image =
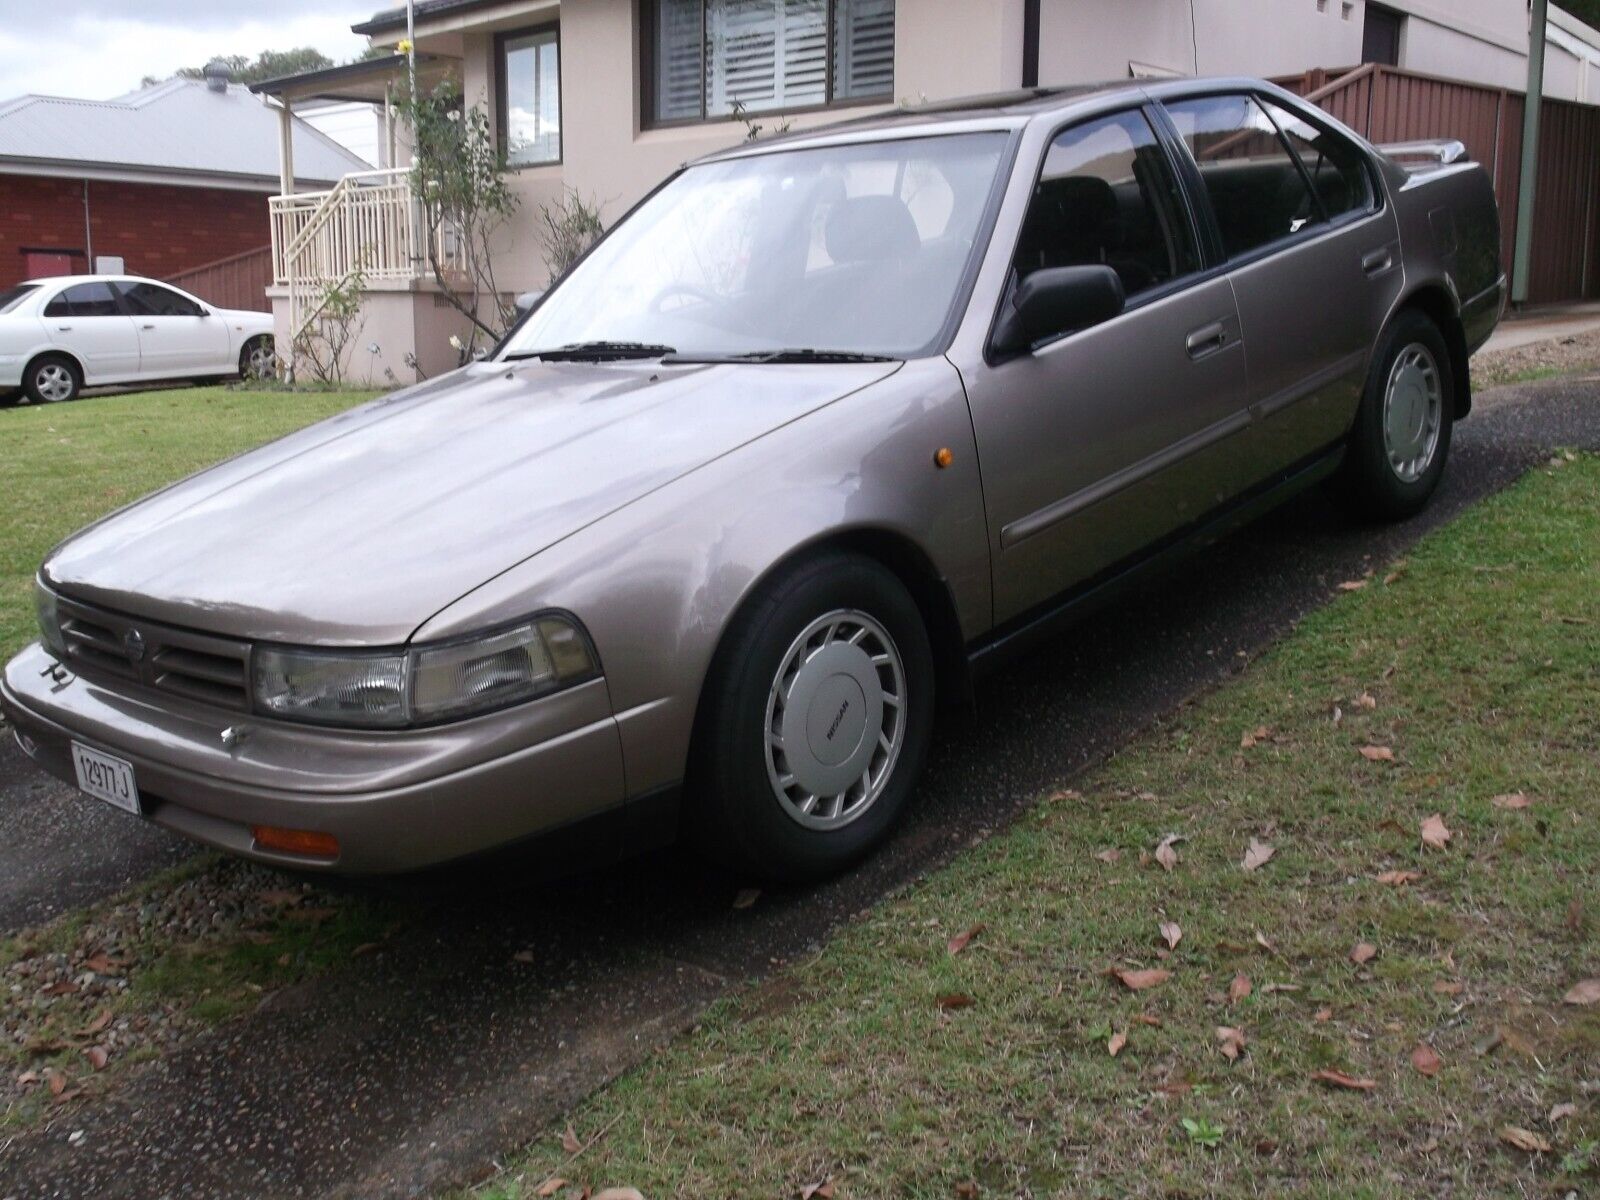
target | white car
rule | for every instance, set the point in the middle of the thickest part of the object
(63, 334)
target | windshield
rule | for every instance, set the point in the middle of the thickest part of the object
(854, 249)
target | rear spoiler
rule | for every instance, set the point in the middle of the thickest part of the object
(1439, 150)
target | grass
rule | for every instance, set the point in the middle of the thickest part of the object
(64, 465)
(1480, 657)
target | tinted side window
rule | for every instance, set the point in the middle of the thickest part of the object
(1337, 168)
(1254, 183)
(149, 300)
(84, 300)
(1107, 195)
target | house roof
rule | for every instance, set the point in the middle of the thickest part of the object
(390, 19)
(178, 132)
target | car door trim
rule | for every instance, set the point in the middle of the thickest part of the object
(1056, 511)
(1304, 387)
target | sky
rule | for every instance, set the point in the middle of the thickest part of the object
(96, 49)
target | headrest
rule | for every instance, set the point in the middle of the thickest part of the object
(1087, 200)
(871, 228)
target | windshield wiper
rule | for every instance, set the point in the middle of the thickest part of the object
(595, 351)
(787, 356)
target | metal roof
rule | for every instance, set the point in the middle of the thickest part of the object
(180, 130)
(395, 18)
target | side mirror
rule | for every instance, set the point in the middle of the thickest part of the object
(526, 300)
(1057, 300)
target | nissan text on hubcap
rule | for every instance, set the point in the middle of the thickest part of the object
(53, 381)
(1413, 402)
(836, 719)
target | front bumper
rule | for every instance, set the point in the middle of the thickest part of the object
(397, 801)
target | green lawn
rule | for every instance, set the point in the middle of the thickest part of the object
(890, 1066)
(63, 465)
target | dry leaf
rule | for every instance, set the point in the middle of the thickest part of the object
(1147, 1019)
(99, 1023)
(959, 943)
(1426, 1060)
(1171, 933)
(521, 956)
(570, 1142)
(1352, 585)
(1265, 942)
(823, 1191)
(618, 1193)
(954, 1000)
(1365, 700)
(1448, 987)
(1232, 1041)
(1115, 1045)
(1511, 800)
(62, 988)
(967, 1189)
(56, 1081)
(278, 897)
(1259, 734)
(1399, 878)
(1165, 854)
(1322, 1015)
(1561, 1112)
(1525, 1140)
(1363, 952)
(1339, 1079)
(1434, 832)
(1137, 981)
(100, 963)
(98, 1056)
(1257, 855)
(746, 897)
(1583, 994)
(551, 1186)
(1109, 856)
(1239, 988)
(1377, 754)
(1575, 914)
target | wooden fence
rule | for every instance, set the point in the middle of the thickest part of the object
(240, 281)
(1386, 104)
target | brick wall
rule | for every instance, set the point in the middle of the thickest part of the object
(158, 229)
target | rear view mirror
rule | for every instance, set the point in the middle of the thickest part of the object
(526, 300)
(1058, 300)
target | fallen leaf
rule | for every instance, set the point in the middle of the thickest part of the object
(1583, 994)
(967, 1189)
(56, 1081)
(1239, 989)
(1265, 942)
(99, 1023)
(312, 916)
(1338, 714)
(1525, 1140)
(551, 1186)
(1352, 585)
(1257, 855)
(98, 1056)
(62, 988)
(954, 1000)
(570, 1142)
(1175, 1087)
(1322, 1015)
(1137, 981)
(1399, 878)
(100, 963)
(1147, 1019)
(522, 956)
(1561, 1112)
(1575, 915)
(1115, 1045)
(278, 897)
(1232, 1041)
(1257, 735)
(27, 1077)
(823, 1191)
(1165, 854)
(1339, 1079)
(746, 897)
(1365, 700)
(959, 943)
(1363, 952)
(618, 1193)
(1512, 800)
(1109, 856)
(1448, 987)
(1377, 754)
(1426, 1060)
(1434, 832)
(1171, 933)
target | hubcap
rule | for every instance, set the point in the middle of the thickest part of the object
(1413, 405)
(836, 719)
(262, 360)
(53, 381)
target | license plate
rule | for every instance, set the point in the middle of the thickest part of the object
(106, 777)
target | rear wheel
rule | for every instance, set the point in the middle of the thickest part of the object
(10, 396)
(817, 720)
(52, 378)
(1401, 438)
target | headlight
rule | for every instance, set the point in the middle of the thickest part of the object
(427, 684)
(44, 603)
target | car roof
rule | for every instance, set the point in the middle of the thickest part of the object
(57, 280)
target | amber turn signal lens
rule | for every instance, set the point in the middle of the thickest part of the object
(943, 458)
(296, 841)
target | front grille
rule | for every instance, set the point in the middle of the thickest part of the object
(196, 666)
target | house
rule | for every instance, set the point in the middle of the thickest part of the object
(607, 97)
(159, 182)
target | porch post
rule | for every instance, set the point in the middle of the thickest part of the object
(1528, 179)
(285, 147)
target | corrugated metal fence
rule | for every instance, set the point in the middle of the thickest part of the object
(1385, 104)
(240, 281)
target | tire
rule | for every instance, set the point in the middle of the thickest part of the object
(257, 357)
(1401, 438)
(838, 639)
(9, 397)
(52, 379)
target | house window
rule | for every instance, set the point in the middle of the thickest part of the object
(1380, 36)
(529, 68)
(714, 57)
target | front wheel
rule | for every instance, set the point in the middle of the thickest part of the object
(53, 379)
(818, 714)
(1401, 438)
(258, 359)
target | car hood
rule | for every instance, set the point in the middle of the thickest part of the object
(356, 530)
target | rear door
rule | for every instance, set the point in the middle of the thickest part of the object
(86, 320)
(1100, 442)
(1313, 256)
(177, 335)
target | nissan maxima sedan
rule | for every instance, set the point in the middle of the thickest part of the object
(824, 426)
(68, 332)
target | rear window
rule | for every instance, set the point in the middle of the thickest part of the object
(84, 300)
(13, 296)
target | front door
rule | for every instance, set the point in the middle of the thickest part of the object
(177, 336)
(1098, 443)
(86, 321)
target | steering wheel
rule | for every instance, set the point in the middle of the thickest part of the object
(681, 289)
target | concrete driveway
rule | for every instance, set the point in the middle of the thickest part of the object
(412, 1069)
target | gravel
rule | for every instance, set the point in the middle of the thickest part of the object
(1537, 360)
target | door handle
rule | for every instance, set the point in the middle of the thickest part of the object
(64, 328)
(147, 327)
(1208, 339)
(1376, 262)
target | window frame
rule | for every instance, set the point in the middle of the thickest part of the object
(647, 10)
(110, 286)
(502, 107)
(123, 289)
